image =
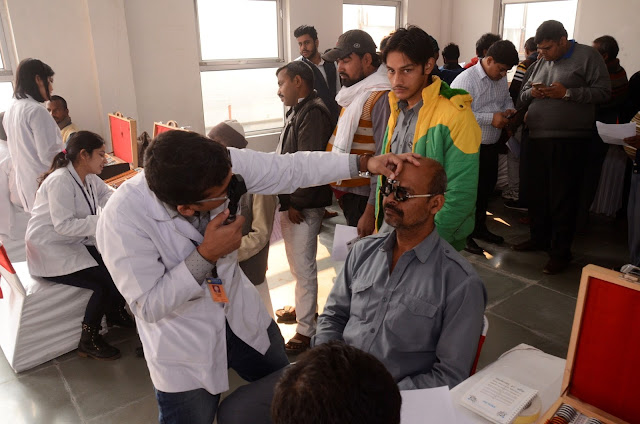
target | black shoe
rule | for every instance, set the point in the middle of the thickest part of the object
(556, 266)
(516, 205)
(527, 246)
(472, 247)
(120, 318)
(140, 352)
(487, 236)
(92, 345)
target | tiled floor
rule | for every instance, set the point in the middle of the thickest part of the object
(525, 306)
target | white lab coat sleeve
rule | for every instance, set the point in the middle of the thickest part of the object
(62, 206)
(103, 191)
(46, 134)
(271, 173)
(133, 260)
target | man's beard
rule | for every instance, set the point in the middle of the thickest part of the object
(310, 53)
(398, 218)
(349, 82)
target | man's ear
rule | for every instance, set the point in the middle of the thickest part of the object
(317, 43)
(428, 68)
(367, 60)
(297, 81)
(437, 202)
(185, 210)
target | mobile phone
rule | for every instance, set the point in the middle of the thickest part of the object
(538, 85)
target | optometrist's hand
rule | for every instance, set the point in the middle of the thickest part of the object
(219, 239)
(390, 165)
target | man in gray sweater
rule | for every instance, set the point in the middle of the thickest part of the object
(561, 94)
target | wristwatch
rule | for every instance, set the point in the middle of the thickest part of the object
(362, 165)
(566, 96)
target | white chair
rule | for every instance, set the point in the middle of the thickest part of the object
(39, 320)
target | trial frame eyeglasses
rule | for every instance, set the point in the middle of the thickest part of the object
(400, 193)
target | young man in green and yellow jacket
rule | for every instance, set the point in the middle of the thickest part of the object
(432, 119)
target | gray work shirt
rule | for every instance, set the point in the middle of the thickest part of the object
(423, 320)
(402, 137)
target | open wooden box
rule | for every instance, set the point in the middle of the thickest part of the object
(602, 374)
(159, 127)
(124, 142)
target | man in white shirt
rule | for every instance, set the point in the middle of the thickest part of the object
(492, 106)
(326, 81)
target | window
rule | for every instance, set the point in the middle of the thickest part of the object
(378, 18)
(238, 62)
(6, 73)
(520, 20)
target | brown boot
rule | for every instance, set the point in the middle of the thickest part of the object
(92, 345)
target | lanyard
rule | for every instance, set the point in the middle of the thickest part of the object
(92, 208)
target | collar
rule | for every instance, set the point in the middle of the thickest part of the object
(422, 250)
(569, 52)
(533, 56)
(480, 69)
(403, 105)
(305, 100)
(171, 210)
(75, 175)
(65, 123)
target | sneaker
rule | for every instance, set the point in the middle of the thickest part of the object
(515, 205)
(487, 236)
(472, 247)
(555, 266)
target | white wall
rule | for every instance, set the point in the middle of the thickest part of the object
(469, 20)
(619, 19)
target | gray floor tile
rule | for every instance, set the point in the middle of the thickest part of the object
(102, 386)
(541, 310)
(499, 286)
(568, 282)
(39, 397)
(527, 265)
(504, 335)
(143, 411)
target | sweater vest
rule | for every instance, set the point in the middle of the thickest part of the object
(363, 141)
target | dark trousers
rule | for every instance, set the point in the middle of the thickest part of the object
(198, 406)
(523, 190)
(556, 174)
(596, 153)
(353, 206)
(487, 178)
(105, 298)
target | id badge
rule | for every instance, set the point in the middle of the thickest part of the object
(217, 290)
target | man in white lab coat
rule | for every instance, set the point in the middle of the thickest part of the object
(163, 250)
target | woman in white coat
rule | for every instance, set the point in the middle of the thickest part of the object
(33, 137)
(60, 237)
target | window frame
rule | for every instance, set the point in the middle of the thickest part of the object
(248, 63)
(6, 72)
(390, 3)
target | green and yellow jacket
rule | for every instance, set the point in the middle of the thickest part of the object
(446, 131)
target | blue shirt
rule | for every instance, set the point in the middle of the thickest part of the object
(423, 320)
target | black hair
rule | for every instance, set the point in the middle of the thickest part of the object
(384, 41)
(607, 44)
(26, 84)
(550, 30)
(530, 44)
(78, 141)
(375, 58)
(336, 383)
(56, 98)
(451, 52)
(485, 41)
(504, 52)
(298, 67)
(180, 166)
(411, 41)
(306, 30)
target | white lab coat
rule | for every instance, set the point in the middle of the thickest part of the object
(181, 328)
(10, 206)
(34, 139)
(61, 223)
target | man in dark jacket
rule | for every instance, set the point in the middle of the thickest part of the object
(308, 127)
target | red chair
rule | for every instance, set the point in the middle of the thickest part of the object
(485, 328)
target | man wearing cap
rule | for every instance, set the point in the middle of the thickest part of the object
(308, 127)
(258, 211)
(325, 82)
(363, 120)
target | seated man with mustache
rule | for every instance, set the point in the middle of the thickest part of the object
(406, 297)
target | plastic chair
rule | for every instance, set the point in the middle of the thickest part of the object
(485, 328)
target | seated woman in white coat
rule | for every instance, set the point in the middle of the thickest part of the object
(33, 137)
(60, 237)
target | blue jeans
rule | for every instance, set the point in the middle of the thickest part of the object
(199, 406)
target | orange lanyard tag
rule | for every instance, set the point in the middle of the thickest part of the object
(217, 290)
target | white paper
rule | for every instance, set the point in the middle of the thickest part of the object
(615, 133)
(343, 235)
(427, 406)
